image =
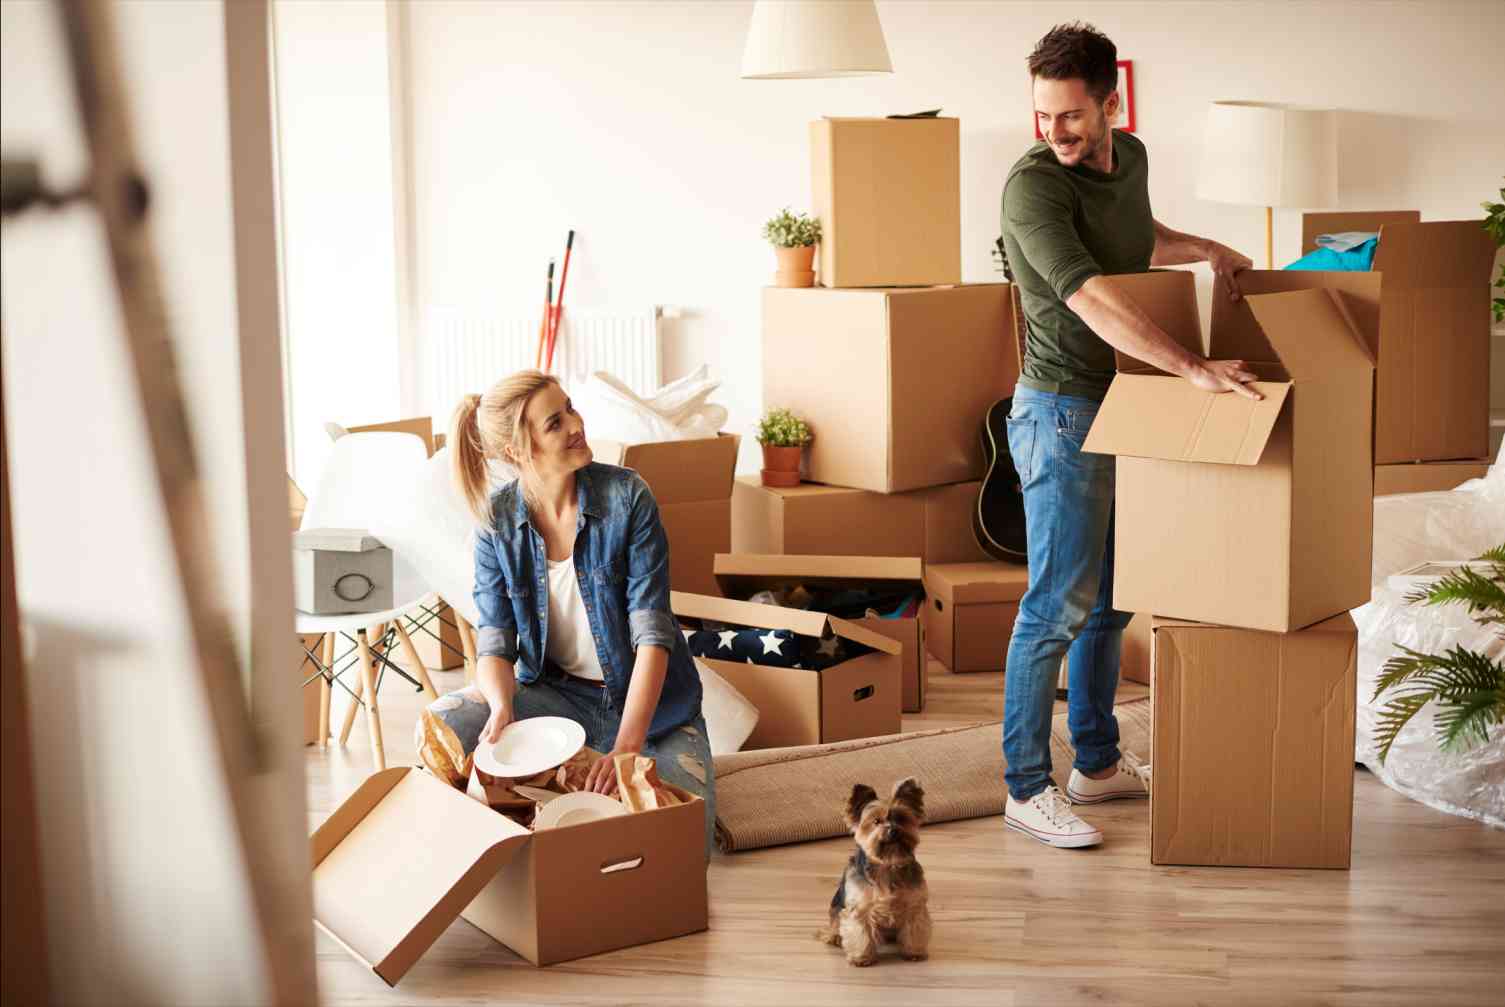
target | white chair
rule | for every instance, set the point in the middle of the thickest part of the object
(365, 473)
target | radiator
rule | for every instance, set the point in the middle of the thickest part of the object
(465, 353)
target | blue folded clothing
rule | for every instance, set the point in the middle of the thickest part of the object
(1340, 253)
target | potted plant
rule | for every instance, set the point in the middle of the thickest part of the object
(1494, 223)
(783, 436)
(793, 239)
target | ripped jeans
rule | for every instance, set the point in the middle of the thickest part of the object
(683, 756)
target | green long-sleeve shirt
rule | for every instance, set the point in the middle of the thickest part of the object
(1061, 227)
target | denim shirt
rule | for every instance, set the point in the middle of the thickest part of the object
(621, 558)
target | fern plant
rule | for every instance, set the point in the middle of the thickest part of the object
(1468, 687)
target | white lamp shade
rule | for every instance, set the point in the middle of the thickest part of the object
(1261, 154)
(814, 38)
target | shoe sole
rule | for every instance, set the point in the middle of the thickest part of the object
(1059, 842)
(1117, 795)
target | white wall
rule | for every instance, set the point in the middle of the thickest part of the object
(146, 897)
(627, 121)
(339, 268)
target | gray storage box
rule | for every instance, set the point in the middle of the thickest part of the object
(340, 571)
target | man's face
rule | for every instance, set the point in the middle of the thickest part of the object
(1071, 120)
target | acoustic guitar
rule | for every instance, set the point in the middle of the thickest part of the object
(998, 517)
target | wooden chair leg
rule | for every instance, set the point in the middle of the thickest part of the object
(418, 668)
(350, 711)
(373, 713)
(325, 690)
(467, 644)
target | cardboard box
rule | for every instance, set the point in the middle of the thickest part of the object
(894, 383)
(1253, 745)
(1424, 312)
(858, 698)
(815, 519)
(970, 611)
(692, 482)
(1248, 513)
(310, 692)
(405, 854)
(446, 653)
(888, 196)
(1136, 657)
(742, 575)
(1426, 477)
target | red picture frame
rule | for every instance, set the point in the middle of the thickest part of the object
(1126, 118)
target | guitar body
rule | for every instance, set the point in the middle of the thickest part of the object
(998, 517)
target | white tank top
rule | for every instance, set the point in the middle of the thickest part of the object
(571, 645)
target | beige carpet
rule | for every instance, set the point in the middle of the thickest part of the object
(793, 795)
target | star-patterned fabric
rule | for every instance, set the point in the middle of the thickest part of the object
(779, 648)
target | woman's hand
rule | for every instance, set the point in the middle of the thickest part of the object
(603, 775)
(501, 716)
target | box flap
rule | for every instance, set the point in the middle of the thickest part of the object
(1169, 299)
(1311, 331)
(380, 887)
(687, 471)
(752, 571)
(746, 613)
(1154, 416)
(1236, 334)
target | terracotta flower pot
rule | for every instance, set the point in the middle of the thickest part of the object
(781, 466)
(796, 266)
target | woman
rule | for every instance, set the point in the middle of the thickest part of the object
(572, 583)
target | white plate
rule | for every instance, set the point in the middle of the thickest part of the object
(529, 747)
(577, 809)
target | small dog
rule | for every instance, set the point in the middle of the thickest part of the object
(882, 897)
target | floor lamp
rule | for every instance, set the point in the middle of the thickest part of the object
(1263, 154)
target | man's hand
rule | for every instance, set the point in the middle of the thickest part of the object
(501, 716)
(1225, 376)
(1226, 263)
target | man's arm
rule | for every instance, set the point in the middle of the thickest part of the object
(1121, 324)
(1173, 248)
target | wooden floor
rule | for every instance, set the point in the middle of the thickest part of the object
(1419, 919)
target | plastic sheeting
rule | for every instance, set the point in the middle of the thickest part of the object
(1410, 529)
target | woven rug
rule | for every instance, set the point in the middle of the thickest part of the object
(793, 795)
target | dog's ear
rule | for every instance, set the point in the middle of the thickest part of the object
(910, 794)
(862, 796)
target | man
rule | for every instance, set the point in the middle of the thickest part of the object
(1076, 209)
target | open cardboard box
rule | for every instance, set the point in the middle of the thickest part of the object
(814, 519)
(894, 383)
(1423, 310)
(691, 481)
(887, 193)
(405, 854)
(1253, 745)
(858, 698)
(744, 574)
(1246, 513)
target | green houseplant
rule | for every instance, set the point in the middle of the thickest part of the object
(783, 436)
(793, 239)
(1494, 223)
(1468, 687)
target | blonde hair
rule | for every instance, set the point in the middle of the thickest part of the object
(484, 426)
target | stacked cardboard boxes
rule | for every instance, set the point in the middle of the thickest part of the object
(1247, 527)
(893, 362)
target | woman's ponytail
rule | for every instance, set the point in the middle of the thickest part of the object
(468, 459)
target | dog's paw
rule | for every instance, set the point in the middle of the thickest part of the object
(826, 935)
(916, 956)
(864, 961)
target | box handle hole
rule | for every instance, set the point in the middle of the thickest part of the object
(863, 693)
(938, 606)
(617, 866)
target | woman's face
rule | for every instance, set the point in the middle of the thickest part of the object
(559, 445)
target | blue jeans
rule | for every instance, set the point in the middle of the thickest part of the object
(1068, 608)
(683, 756)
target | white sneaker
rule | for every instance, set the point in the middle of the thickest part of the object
(1131, 780)
(1048, 817)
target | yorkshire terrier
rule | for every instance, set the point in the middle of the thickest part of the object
(882, 897)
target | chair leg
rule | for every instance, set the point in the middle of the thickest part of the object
(412, 652)
(373, 713)
(468, 643)
(352, 709)
(325, 690)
